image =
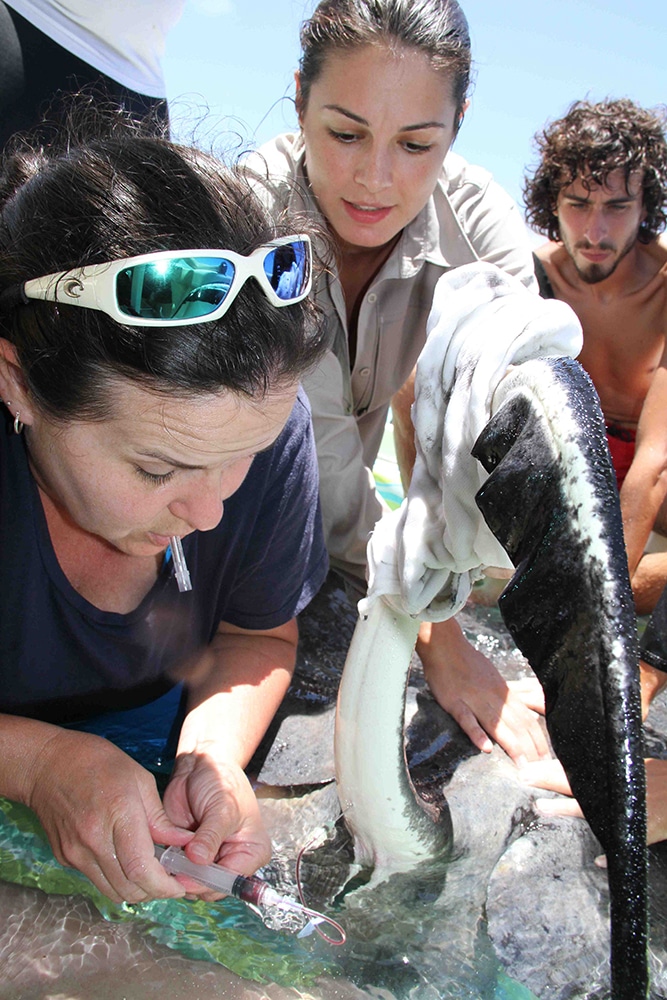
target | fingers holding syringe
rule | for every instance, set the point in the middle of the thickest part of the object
(123, 862)
(217, 802)
(98, 815)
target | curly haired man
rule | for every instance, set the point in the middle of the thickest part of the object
(599, 194)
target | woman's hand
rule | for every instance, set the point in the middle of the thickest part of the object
(550, 775)
(233, 693)
(102, 814)
(216, 801)
(471, 690)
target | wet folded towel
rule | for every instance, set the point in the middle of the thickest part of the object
(425, 556)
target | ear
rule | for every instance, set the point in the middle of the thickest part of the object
(13, 388)
(298, 97)
(459, 120)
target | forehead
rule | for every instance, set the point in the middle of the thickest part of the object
(614, 187)
(376, 78)
(205, 427)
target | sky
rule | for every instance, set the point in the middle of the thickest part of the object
(230, 65)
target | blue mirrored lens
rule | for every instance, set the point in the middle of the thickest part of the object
(288, 269)
(174, 289)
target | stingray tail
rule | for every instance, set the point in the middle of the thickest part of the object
(552, 502)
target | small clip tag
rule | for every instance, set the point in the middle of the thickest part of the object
(310, 927)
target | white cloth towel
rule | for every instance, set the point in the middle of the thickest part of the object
(424, 557)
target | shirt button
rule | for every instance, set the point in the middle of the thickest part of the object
(364, 372)
(372, 297)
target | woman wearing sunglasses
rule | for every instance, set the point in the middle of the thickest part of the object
(159, 526)
(380, 94)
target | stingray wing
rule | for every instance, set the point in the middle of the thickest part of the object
(552, 502)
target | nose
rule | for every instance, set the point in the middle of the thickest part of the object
(596, 228)
(374, 170)
(201, 508)
(201, 504)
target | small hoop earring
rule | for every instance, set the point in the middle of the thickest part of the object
(18, 426)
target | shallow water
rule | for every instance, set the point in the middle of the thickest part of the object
(520, 912)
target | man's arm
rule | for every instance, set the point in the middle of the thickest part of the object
(645, 486)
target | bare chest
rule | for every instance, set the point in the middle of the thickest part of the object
(624, 343)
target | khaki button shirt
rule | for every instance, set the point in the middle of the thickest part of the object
(469, 217)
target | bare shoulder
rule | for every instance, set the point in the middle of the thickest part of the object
(656, 251)
(554, 258)
(546, 250)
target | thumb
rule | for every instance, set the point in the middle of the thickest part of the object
(163, 831)
(205, 842)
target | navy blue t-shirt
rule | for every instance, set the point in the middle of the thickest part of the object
(61, 658)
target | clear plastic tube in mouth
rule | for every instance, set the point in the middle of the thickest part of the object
(180, 565)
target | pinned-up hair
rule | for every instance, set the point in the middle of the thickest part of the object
(438, 28)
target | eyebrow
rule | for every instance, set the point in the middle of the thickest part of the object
(362, 121)
(611, 201)
(158, 456)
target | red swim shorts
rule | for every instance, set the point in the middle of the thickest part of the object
(621, 441)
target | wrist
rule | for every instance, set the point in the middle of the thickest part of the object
(26, 750)
(444, 640)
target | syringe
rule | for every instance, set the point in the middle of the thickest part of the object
(251, 890)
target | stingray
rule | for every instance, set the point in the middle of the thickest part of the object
(550, 499)
(504, 414)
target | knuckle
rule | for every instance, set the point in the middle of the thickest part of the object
(134, 869)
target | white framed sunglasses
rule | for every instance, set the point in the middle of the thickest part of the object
(180, 287)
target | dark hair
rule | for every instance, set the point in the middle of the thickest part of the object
(437, 28)
(590, 142)
(94, 198)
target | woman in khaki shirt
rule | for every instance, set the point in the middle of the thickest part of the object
(380, 93)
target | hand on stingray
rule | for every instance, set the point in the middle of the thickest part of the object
(530, 691)
(549, 774)
(469, 687)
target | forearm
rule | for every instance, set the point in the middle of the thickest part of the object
(404, 432)
(23, 742)
(656, 799)
(641, 497)
(236, 691)
(645, 485)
